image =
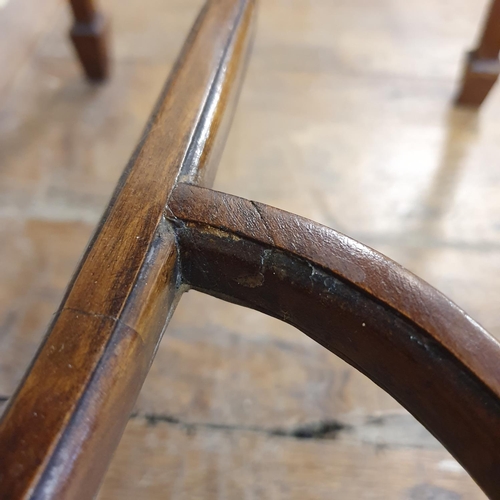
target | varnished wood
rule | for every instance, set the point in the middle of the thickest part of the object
(482, 66)
(211, 469)
(89, 35)
(406, 336)
(59, 431)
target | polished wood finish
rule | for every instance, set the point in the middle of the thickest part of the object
(191, 436)
(482, 66)
(403, 334)
(59, 431)
(89, 35)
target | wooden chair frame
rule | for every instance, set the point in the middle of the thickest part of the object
(89, 35)
(165, 231)
(482, 66)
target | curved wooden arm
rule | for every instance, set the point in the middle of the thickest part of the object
(405, 335)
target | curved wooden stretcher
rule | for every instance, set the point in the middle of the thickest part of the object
(165, 231)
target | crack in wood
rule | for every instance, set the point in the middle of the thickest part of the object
(326, 429)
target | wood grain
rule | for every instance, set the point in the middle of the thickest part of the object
(75, 400)
(352, 130)
(198, 461)
(406, 336)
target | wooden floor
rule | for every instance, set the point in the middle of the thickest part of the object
(345, 118)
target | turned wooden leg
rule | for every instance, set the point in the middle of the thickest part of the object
(482, 66)
(89, 36)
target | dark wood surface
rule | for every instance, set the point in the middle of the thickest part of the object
(406, 336)
(90, 34)
(482, 66)
(59, 431)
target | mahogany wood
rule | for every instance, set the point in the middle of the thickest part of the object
(89, 35)
(61, 428)
(163, 233)
(398, 330)
(482, 66)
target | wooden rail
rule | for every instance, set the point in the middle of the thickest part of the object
(59, 431)
(165, 231)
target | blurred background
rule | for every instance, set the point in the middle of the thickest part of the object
(346, 118)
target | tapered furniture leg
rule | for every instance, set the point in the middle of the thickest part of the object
(482, 66)
(89, 36)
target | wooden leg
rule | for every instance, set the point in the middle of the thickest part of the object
(482, 66)
(89, 36)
